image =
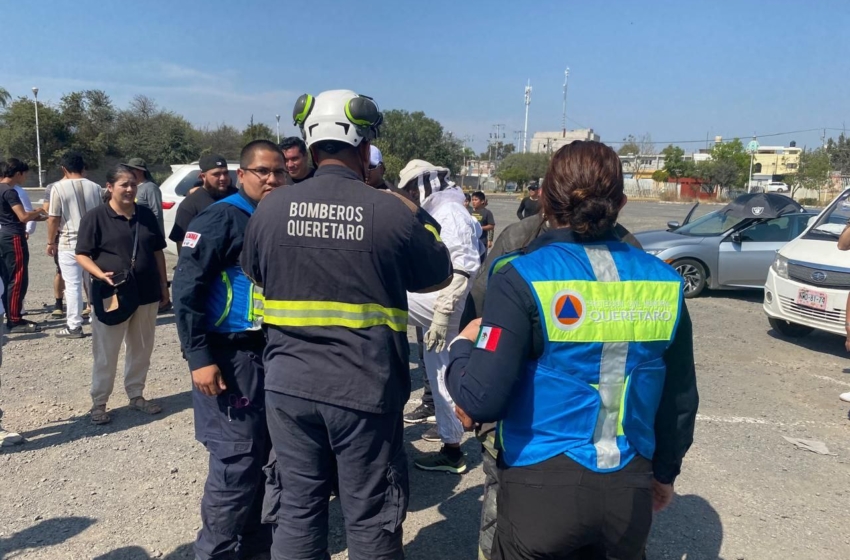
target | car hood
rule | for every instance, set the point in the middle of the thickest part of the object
(661, 239)
(815, 251)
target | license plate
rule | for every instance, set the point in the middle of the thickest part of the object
(808, 298)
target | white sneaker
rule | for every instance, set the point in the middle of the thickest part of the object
(844, 397)
(7, 439)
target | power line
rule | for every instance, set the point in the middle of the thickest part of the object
(737, 136)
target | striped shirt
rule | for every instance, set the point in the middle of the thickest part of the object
(70, 200)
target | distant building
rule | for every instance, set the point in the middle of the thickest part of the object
(550, 142)
(478, 174)
(774, 162)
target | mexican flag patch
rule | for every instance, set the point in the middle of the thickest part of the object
(488, 338)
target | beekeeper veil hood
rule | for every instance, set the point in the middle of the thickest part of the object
(433, 183)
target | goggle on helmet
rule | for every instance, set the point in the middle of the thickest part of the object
(339, 115)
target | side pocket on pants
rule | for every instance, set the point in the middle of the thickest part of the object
(271, 498)
(396, 495)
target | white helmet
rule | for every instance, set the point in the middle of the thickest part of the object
(436, 177)
(340, 115)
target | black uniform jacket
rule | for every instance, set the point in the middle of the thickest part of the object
(333, 249)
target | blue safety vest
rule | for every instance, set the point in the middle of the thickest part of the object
(234, 303)
(608, 313)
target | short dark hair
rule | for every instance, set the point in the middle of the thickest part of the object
(12, 167)
(334, 147)
(293, 142)
(251, 148)
(73, 162)
(467, 197)
(479, 195)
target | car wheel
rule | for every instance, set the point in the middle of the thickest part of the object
(693, 273)
(791, 330)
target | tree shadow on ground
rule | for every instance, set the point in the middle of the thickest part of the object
(690, 528)
(79, 427)
(138, 553)
(47, 533)
(456, 536)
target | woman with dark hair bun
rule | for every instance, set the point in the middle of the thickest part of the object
(584, 356)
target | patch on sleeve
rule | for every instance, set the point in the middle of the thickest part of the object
(191, 239)
(488, 338)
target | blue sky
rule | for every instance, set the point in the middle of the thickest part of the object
(675, 69)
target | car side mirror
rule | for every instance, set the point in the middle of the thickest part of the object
(672, 225)
(736, 238)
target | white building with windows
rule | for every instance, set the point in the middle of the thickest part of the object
(551, 142)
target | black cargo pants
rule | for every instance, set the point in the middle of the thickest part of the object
(232, 426)
(309, 438)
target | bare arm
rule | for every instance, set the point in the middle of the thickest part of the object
(33, 216)
(52, 234)
(89, 266)
(844, 240)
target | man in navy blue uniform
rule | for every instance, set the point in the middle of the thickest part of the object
(335, 259)
(219, 314)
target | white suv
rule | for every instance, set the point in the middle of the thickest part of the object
(776, 186)
(175, 188)
(807, 284)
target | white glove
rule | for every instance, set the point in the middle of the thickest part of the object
(447, 302)
(435, 338)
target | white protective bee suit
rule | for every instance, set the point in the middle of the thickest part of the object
(439, 313)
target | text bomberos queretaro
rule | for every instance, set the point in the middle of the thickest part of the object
(344, 222)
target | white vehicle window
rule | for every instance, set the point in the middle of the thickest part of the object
(834, 219)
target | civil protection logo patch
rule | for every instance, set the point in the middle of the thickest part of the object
(568, 310)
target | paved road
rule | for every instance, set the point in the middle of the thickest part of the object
(130, 490)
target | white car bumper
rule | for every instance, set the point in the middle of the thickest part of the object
(781, 297)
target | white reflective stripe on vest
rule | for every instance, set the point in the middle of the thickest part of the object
(612, 371)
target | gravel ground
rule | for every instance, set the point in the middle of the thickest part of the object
(131, 490)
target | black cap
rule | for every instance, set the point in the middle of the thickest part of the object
(212, 161)
(533, 187)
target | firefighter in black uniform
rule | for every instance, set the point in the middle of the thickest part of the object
(219, 313)
(335, 259)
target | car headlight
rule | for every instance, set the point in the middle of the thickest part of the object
(780, 266)
(655, 252)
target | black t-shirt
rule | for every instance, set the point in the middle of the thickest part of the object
(9, 222)
(107, 237)
(191, 206)
(528, 207)
(485, 218)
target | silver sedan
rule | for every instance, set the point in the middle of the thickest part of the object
(721, 251)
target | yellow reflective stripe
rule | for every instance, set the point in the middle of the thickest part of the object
(333, 314)
(497, 266)
(257, 302)
(620, 431)
(229, 303)
(433, 230)
(630, 311)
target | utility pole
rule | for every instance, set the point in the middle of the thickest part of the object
(564, 115)
(527, 101)
(278, 128)
(37, 138)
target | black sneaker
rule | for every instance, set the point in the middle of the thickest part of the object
(446, 461)
(22, 327)
(420, 414)
(432, 434)
(71, 333)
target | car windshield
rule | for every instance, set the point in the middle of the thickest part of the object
(834, 219)
(710, 225)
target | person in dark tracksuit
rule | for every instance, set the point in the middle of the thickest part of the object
(585, 357)
(219, 315)
(335, 259)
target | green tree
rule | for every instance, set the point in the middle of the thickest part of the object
(5, 97)
(159, 137)
(406, 136)
(223, 140)
(257, 131)
(90, 118)
(18, 138)
(839, 154)
(813, 172)
(660, 176)
(727, 168)
(523, 168)
(675, 163)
